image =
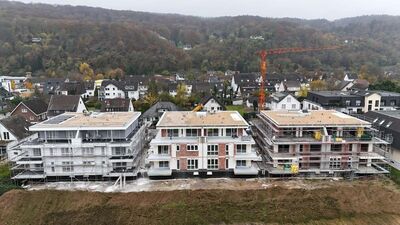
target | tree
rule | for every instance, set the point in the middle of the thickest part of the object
(99, 76)
(318, 85)
(86, 71)
(303, 92)
(153, 89)
(181, 98)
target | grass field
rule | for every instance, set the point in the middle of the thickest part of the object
(240, 108)
(395, 175)
(359, 202)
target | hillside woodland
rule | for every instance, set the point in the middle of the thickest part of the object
(54, 40)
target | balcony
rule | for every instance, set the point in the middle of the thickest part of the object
(248, 156)
(29, 160)
(161, 171)
(245, 171)
(158, 157)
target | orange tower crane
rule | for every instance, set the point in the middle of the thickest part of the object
(263, 65)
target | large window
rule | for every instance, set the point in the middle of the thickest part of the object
(212, 150)
(191, 133)
(172, 132)
(241, 163)
(163, 150)
(231, 132)
(66, 152)
(192, 164)
(163, 164)
(118, 150)
(212, 132)
(67, 166)
(336, 148)
(87, 151)
(212, 164)
(315, 148)
(364, 147)
(241, 149)
(192, 147)
(37, 152)
(283, 148)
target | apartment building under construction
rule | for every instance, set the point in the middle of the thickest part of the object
(81, 146)
(324, 142)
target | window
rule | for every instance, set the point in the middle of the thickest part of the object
(348, 102)
(177, 148)
(66, 152)
(6, 136)
(192, 147)
(212, 132)
(383, 102)
(241, 149)
(231, 132)
(163, 150)
(301, 148)
(240, 163)
(172, 132)
(283, 106)
(177, 164)
(289, 99)
(388, 124)
(293, 106)
(283, 149)
(88, 163)
(392, 102)
(212, 164)
(358, 102)
(315, 148)
(212, 150)
(88, 151)
(191, 132)
(377, 103)
(67, 166)
(163, 164)
(192, 164)
(226, 163)
(119, 166)
(364, 147)
(31, 118)
(226, 149)
(118, 150)
(24, 110)
(336, 148)
(37, 152)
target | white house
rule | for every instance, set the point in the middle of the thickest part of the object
(212, 104)
(283, 101)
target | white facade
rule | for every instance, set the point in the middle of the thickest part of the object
(212, 106)
(8, 81)
(82, 146)
(287, 103)
(201, 148)
(111, 91)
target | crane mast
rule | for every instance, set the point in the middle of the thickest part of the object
(263, 65)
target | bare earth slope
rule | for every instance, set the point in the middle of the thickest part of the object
(359, 202)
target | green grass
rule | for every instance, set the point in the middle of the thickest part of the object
(6, 183)
(395, 175)
(240, 108)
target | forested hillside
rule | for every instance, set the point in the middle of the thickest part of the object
(54, 40)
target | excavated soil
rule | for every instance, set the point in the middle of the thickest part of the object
(358, 202)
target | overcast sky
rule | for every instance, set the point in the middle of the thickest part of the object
(308, 9)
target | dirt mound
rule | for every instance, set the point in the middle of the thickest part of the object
(360, 202)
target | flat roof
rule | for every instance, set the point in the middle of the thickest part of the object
(70, 121)
(313, 118)
(201, 119)
(392, 113)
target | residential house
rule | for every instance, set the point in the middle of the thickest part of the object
(244, 84)
(202, 144)
(33, 111)
(82, 146)
(117, 105)
(60, 104)
(388, 124)
(11, 83)
(282, 101)
(212, 104)
(155, 112)
(51, 86)
(350, 77)
(356, 101)
(4, 96)
(313, 143)
(129, 89)
(292, 86)
(13, 130)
